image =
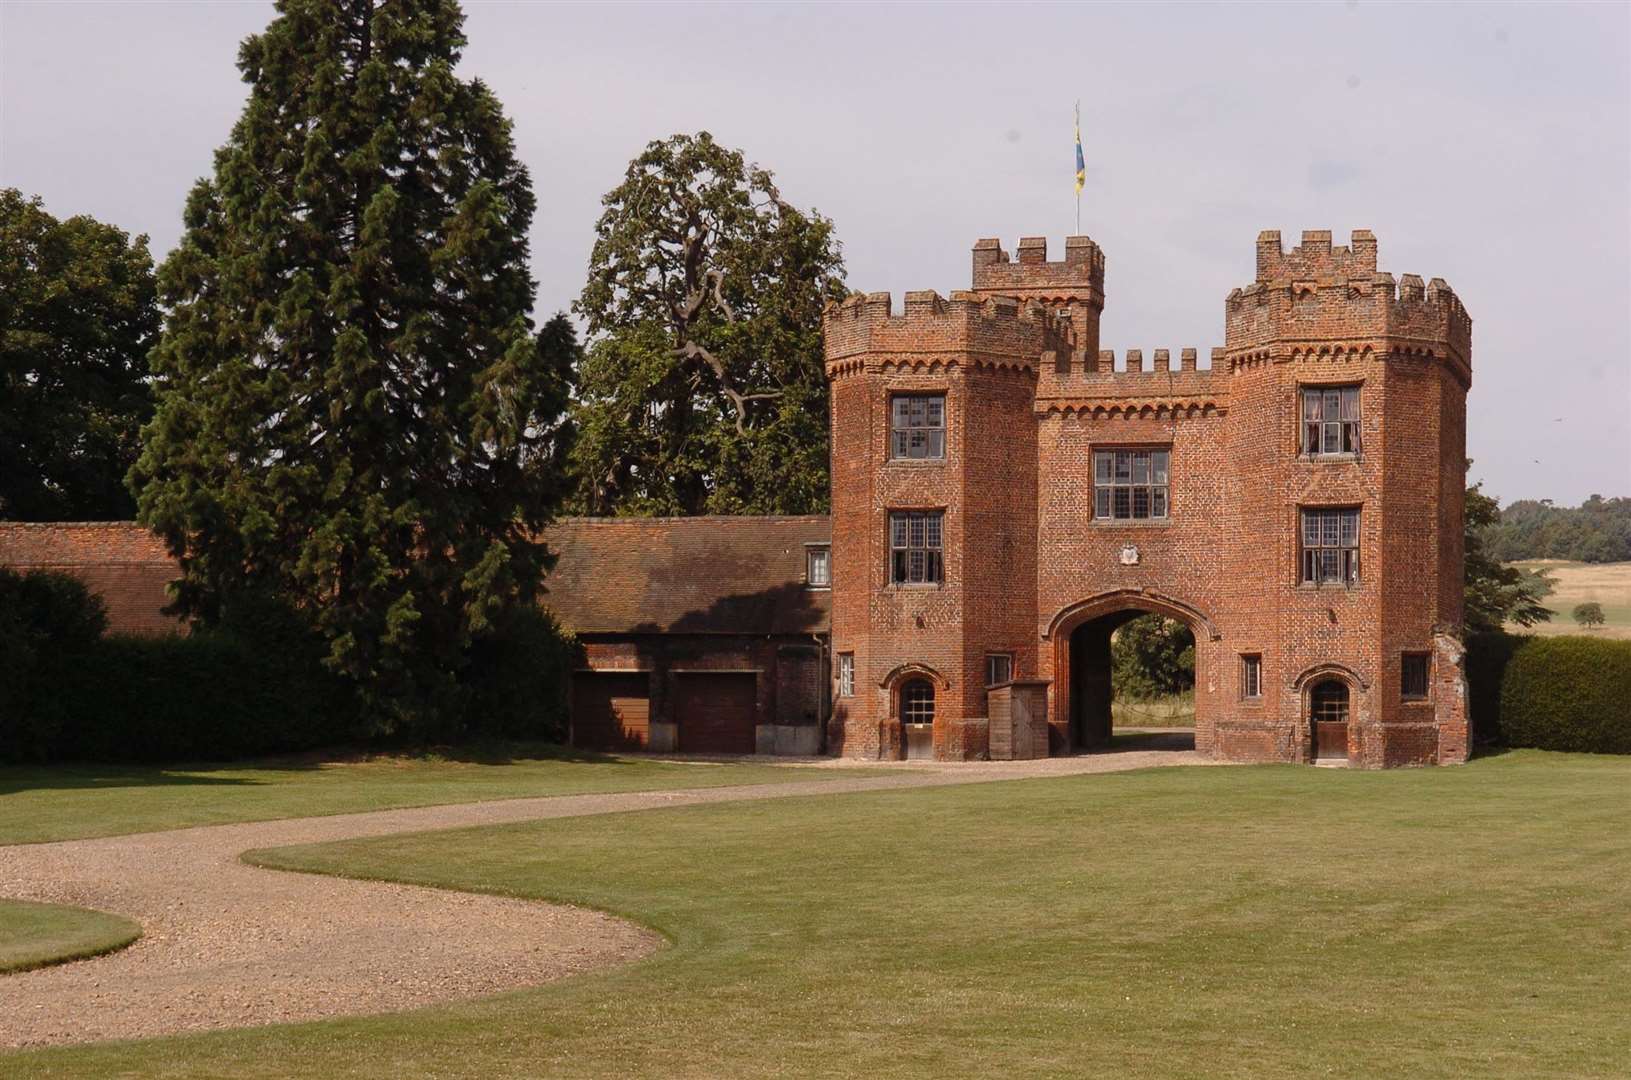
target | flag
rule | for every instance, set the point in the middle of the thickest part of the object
(1081, 165)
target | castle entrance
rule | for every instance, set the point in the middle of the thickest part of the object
(1127, 662)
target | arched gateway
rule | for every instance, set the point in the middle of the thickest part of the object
(1080, 638)
(1004, 495)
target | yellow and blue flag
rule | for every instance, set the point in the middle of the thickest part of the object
(1081, 164)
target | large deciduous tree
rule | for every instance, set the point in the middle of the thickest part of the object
(703, 390)
(354, 413)
(78, 314)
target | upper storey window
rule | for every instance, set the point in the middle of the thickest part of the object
(915, 547)
(1130, 484)
(1330, 419)
(1330, 547)
(918, 427)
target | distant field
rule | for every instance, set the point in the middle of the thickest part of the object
(1176, 711)
(1609, 584)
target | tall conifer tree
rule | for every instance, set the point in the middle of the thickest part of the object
(354, 413)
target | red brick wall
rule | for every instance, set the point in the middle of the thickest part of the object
(120, 561)
(1228, 561)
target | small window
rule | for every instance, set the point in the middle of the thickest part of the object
(918, 427)
(999, 668)
(915, 547)
(1251, 675)
(1330, 547)
(1130, 484)
(1330, 420)
(818, 567)
(846, 674)
(1413, 675)
(917, 702)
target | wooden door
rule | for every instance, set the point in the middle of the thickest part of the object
(716, 712)
(611, 710)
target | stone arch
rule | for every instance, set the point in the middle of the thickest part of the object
(1071, 616)
(1079, 710)
(1329, 670)
(912, 670)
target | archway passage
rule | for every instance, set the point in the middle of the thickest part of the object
(1096, 679)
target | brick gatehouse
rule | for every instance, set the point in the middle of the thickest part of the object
(1004, 496)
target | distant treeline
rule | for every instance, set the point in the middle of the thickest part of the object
(1597, 531)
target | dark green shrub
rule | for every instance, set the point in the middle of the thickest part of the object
(1487, 657)
(1568, 693)
(518, 679)
(46, 619)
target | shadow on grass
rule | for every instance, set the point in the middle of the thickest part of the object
(1126, 742)
(81, 775)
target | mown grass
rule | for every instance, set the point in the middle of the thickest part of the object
(46, 803)
(37, 935)
(1210, 922)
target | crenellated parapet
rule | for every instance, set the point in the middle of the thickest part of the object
(1078, 278)
(1319, 296)
(966, 328)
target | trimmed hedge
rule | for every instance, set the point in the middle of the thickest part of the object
(254, 685)
(1487, 658)
(1568, 693)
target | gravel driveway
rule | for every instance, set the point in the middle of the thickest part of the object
(229, 945)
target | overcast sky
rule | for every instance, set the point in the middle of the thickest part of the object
(1488, 145)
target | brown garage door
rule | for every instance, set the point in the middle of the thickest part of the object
(611, 711)
(716, 712)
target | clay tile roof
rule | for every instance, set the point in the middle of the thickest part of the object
(710, 575)
(120, 561)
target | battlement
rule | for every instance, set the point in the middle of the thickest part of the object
(1160, 362)
(1315, 259)
(1321, 293)
(968, 323)
(1080, 277)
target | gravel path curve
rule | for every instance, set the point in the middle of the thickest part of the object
(228, 945)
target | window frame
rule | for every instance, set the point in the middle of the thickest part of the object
(1344, 427)
(1251, 676)
(810, 553)
(990, 657)
(934, 555)
(1108, 482)
(1406, 658)
(896, 430)
(846, 674)
(1350, 571)
(918, 716)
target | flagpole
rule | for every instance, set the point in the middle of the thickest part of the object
(1078, 231)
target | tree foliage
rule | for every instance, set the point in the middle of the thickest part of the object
(1596, 531)
(78, 314)
(1495, 594)
(1152, 656)
(1589, 614)
(703, 390)
(354, 414)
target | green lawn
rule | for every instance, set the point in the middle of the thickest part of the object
(35, 935)
(1253, 922)
(68, 802)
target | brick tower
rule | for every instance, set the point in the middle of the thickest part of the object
(1004, 499)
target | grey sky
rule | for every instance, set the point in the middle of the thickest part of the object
(1488, 145)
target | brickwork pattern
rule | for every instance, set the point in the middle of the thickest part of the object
(1030, 396)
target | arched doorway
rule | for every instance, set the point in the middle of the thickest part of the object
(1083, 679)
(1328, 719)
(917, 718)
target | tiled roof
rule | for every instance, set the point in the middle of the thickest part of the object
(723, 575)
(727, 575)
(120, 561)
